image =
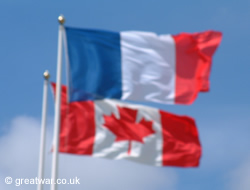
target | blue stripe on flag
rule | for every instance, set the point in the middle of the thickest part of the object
(95, 64)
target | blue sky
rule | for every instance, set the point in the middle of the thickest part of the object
(28, 46)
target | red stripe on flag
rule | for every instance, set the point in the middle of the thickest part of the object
(193, 63)
(77, 132)
(181, 145)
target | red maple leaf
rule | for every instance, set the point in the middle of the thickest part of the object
(126, 128)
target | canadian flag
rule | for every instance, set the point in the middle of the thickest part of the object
(115, 130)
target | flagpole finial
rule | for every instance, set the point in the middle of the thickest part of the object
(46, 75)
(61, 19)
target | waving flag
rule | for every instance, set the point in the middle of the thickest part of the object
(114, 130)
(139, 66)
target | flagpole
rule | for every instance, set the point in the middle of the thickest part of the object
(43, 129)
(54, 172)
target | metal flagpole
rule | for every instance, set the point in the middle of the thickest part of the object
(57, 105)
(43, 129)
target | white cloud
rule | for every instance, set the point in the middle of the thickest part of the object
(19, 150)
(19, 159)
(224, 142)
(240, 177)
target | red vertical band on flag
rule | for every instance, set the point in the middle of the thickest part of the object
(181, 145)
(77, 131)
(193, 63)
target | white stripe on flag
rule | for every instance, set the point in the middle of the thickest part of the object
(105, 145)
(148, 67)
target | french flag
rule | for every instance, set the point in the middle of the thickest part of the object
(139, 66)
(115, 130)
